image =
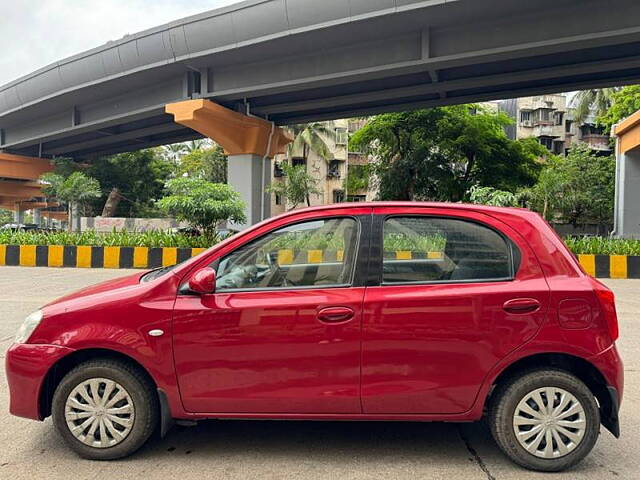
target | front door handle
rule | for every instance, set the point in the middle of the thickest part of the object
(335, 314)
(521, 305)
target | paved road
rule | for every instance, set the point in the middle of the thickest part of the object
(310, 450)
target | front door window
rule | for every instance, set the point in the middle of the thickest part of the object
(318, 253)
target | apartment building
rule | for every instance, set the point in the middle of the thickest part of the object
(331, 174)
(542, 117)
(550, 120)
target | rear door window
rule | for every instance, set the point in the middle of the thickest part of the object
(435, 249)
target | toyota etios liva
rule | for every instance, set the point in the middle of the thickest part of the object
(383, 311)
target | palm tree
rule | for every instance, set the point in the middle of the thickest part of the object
(199, 144)
(74, 190)
(596, 101)
(312, 137)
(174, 153)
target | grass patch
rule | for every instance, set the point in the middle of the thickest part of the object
(123, 238)
(603, 246)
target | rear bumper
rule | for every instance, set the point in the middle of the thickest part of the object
(610, 365)
(27, 367)
(609, 415)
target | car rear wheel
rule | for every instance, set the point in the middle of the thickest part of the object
(105, 409)
(546, 420)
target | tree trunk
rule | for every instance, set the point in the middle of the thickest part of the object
(70, 225)
(110, 206)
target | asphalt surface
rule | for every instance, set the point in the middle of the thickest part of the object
(308, 450)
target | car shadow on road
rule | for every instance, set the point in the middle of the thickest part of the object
(355, 441)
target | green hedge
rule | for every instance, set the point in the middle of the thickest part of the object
(296, 241)
(603, 246)
(122, 238)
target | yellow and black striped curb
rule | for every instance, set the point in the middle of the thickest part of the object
(146, 257)
(93, 257)
(611, 266)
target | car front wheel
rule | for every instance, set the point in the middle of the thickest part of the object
(545, 420)
(105, 409)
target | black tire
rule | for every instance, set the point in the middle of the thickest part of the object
(506, 399)
(140, 390)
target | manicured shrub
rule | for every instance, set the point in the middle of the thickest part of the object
(121, 238)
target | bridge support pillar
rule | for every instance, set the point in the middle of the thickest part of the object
(627, 200)
(18, 213)
(250, 175)
(249, 142)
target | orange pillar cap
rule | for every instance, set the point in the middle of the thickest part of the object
(238, 134)
(628, 133)
(17, 189)
(23, 168)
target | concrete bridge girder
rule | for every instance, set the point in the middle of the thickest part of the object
(338, 59)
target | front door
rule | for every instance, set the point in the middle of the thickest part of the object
(441, 318)
(282, 333)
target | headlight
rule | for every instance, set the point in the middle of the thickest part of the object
(28, 326)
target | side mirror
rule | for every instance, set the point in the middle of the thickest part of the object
(203, 281)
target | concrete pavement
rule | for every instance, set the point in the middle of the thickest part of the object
(311, 450)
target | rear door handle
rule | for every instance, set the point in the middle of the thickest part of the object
(521, 305)
(335, 314)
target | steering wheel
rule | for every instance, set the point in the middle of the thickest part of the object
(279, 273)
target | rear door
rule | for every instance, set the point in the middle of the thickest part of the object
(456, 292)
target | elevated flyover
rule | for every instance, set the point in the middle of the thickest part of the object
(290, 61)
(300, 60)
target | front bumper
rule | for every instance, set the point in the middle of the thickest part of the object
(27, 366)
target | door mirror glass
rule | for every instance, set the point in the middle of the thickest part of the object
(203, 281)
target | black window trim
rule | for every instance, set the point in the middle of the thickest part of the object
(360, 264)
(377, 260)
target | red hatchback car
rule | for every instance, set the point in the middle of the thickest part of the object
(382, 311)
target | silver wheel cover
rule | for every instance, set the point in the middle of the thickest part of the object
(99, 412)
(549, 422)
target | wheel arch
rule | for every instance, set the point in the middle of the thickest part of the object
(581, 368)
(57, 372)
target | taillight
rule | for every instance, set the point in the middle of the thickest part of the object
(608, 304)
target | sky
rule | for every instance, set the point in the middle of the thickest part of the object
(35, 33)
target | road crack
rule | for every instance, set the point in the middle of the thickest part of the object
(476, 456)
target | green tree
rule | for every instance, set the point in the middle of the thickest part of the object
(209, 164)
(173, 153)
(493, 197)
(203, 204)
(139, 178)
(75, 191)
(624, 102)
(357, 178)
(440, 153)
(596, 101)
(198, 144)
(296, 186)
(578, 189)
(6, 216)
(546, 196)
(312, 137)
